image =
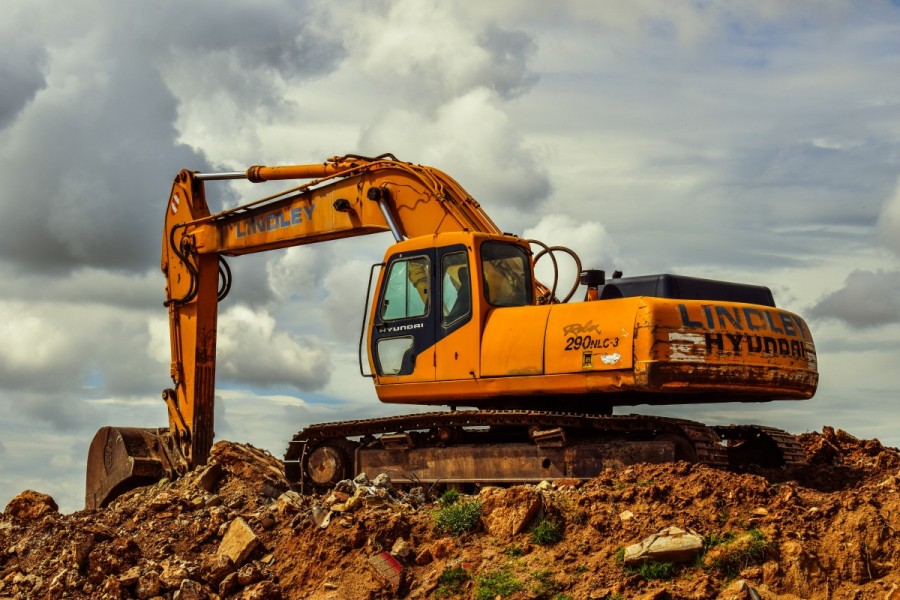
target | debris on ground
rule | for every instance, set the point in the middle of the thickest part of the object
(235, 530)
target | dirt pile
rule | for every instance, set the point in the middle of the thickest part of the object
(233, 529)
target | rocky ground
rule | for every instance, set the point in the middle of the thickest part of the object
(233, 530)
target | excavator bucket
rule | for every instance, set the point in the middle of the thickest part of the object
(121, 459)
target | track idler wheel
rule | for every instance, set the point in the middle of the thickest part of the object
(121, 459)
(327, 463)
(684, 448)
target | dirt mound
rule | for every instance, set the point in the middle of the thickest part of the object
(233, 529)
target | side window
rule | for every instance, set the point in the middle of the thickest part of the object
(507, 274)
(456, 296)
(391, 352)
(406, 294)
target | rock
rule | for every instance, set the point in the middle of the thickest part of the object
(249, 573)
(228, 585)
(266, 522)
(209, 478)
(383, 480)
(739, 590)
(272, 489)
(173, 573)
(190, 590)
(424, 557)
(321, 516)
(148, 586)
(672, 544)
(215, 567)
(506, 513)
(441, 549)
(626, 515)
(31, 505)
(401, 548)
(264, 590)
(289, 502)
(162, 501)
(130, 577)
(238, 542)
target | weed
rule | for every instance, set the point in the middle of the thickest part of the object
(497, 583)
(563, 597)
(545, 586)
(581, 569)
(655, 570)
(451, 582)
(619, 557)
(718, 539)
(514, 551)
(732, 557)
(449, 498)
(459, 517)
(546, 532)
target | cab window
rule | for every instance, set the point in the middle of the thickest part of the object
(406, 293)
(506, 274)
(456, 300)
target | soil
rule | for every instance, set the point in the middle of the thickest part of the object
(826, 529)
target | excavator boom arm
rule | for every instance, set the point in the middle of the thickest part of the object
(341, 197)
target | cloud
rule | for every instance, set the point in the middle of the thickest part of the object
(589, 240)
(888, 230)
(92, 148)
(22, 71)
(431, 53)
(473, 140)
(867, 299)
(253, 351)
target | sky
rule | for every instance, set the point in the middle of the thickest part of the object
(755, 142)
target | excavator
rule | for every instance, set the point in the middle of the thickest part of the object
(456, 318)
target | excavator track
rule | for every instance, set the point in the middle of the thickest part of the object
(503, 446)
(760, 445)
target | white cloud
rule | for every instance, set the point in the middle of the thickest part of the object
(472, 139)
(252, 350)
(589, 240)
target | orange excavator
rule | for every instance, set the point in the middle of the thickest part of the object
(459, 320)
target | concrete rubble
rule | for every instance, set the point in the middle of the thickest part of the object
(671, 544)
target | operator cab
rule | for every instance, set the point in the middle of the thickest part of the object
(433, 295)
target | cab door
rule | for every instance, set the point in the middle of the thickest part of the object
(458, 337)
(403, 332)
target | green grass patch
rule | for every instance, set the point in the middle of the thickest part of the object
(449, 498)
(544, 585)
(458, 518)
(732, 557)
(514, 551)
(718, 539)
(497, 583)
(655, 570)
(546, 532)
(451, 582)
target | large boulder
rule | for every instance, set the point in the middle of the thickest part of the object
(508, 512)
(672, 544)
(31, 505)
